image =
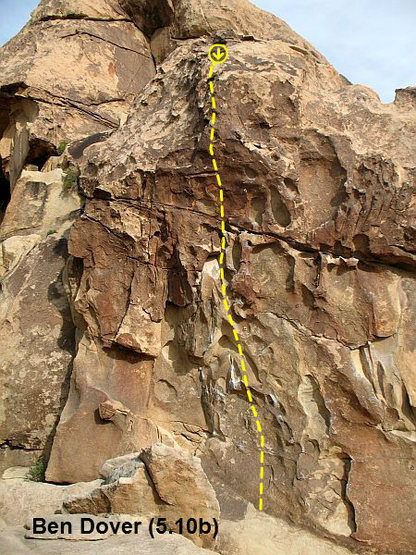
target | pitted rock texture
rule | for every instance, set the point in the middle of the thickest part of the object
(319, 192)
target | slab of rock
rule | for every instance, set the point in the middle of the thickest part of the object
(21, 499)
(121, 467)
(12, 540)
(15, 472)
(122, 377)
(259, 533)
(68, 77)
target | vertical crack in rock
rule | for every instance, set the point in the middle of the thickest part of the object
(344, 493)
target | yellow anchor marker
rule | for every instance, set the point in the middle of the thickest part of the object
(218, 54)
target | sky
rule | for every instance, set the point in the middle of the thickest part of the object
(371, 42)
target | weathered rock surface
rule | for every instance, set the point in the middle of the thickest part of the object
(319, 192)
(182, 485)
(127, 489)
(12, 540)
(37, 338)
(168, 483)
(261, 534)
(21, 499)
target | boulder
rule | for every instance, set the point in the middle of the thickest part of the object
(161, 482)
(126, 489)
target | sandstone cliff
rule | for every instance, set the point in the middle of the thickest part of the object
(113, 334)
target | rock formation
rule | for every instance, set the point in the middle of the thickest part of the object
(113, 336)
(168, 483)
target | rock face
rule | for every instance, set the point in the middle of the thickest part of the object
(319, 193)
(37, 338)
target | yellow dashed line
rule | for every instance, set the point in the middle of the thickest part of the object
(224, 289)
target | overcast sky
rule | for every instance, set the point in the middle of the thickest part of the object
(372, 42)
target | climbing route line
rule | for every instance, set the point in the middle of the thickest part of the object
(218, 55)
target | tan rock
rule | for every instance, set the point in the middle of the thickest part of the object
(151, 489)
(85, 94)
(21, 499)
(100, 380)
(259, 533)
(182, 485)
(116, 412)
(127, 490)
(77, 9)
(14, 472)
(320, 216)
(12, 540)
(319, 296)
(34, 311)
(41, 200)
